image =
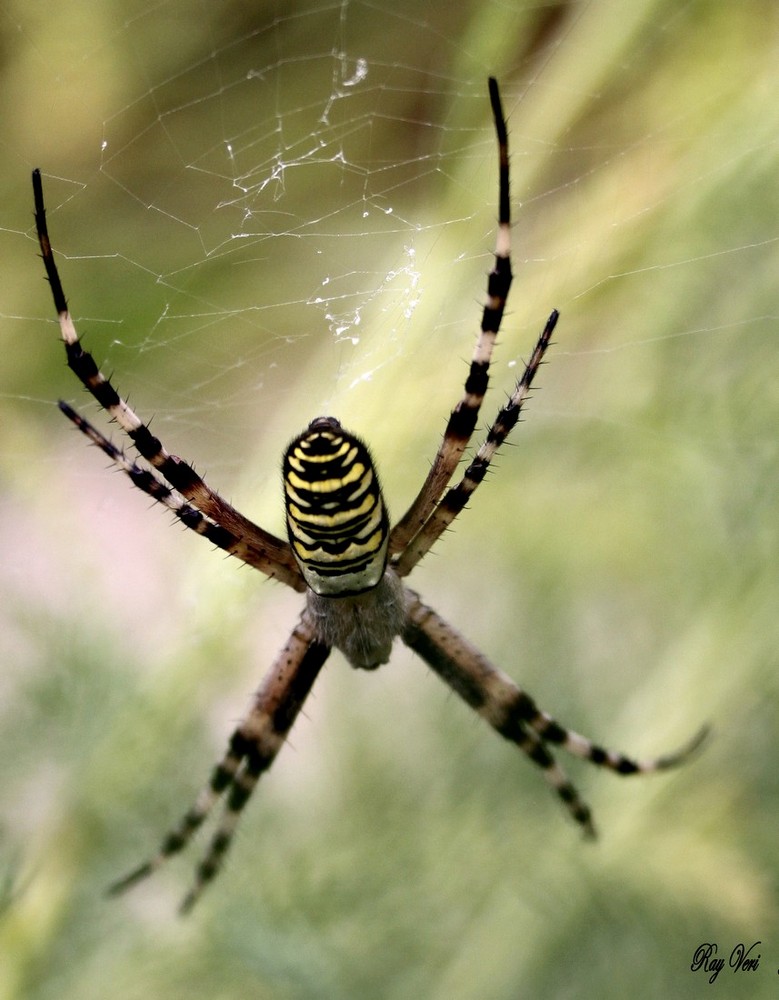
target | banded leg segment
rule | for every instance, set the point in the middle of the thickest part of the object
(462, 420)
(513, 713)
(457, 497)
(239, 546)
(179, 474)
(251, 751)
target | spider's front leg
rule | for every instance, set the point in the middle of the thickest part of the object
(463, 418)
(514, 714)
(251, 751)
(269, 554)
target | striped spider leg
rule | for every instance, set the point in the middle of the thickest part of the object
(462, 421)
(276, 557)
(347, 560)
(254, 744)
(515, 715)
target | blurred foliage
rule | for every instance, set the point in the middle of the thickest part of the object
(252, 233)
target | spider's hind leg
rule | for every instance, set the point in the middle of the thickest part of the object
(514, 714)
(252, 749)
(177, 839)
(487, 691)
(579, 746)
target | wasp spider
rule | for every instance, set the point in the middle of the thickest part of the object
(343, 555)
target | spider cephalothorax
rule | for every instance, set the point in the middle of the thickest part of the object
(343, 555)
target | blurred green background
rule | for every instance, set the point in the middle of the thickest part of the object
(265, 212)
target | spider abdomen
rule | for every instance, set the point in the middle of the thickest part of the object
(336, 518)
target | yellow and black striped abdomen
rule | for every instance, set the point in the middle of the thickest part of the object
(336, 518)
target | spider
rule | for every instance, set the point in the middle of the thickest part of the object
(347, 560)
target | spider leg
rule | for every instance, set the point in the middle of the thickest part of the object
(178, 473)
(455, 498)
(240, 546)
(251, 751)
(462, 420)
(513, 713)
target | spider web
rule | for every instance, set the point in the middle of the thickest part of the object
(272, 215)
(283, 214)
(266, 212)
